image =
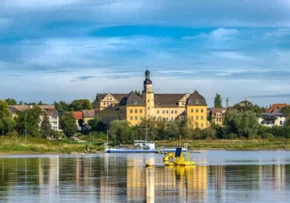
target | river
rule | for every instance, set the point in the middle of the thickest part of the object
(220, 176)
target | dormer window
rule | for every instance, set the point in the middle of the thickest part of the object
(135, 102)
(196, 101)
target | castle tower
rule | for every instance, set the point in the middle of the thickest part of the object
(148, 95)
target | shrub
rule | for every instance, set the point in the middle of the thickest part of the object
(268, 136)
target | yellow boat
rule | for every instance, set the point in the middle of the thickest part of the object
(178, 159)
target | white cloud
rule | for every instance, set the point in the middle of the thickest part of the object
(222, 33)
(217, 34)
(232, 55)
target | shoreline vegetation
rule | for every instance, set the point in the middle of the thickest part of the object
(17, 145)
(240, 131)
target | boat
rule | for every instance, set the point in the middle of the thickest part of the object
(142, 146)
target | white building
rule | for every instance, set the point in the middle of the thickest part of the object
(52, 114)
(49, 110)
(272, 119)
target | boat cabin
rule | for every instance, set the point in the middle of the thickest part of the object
(143, 144)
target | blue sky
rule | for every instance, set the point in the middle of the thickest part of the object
(70, 49)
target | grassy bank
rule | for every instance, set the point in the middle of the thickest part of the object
(17, 145)
(237, 144)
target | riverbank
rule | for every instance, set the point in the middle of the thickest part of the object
(236, 144)
(17, 145)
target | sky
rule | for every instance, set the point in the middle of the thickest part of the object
(52, 50)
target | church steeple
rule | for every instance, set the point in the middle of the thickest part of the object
(147, 82)
(147, 78)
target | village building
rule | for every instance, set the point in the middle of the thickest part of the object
(276, 108)
(135, 106)
(50, 111)
(272, 119)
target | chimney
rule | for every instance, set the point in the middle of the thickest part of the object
(227, 103)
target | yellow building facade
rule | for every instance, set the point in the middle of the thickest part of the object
(134, 107)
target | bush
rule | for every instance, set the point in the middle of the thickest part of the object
(268, 136)
(232, 136)
(12, 134)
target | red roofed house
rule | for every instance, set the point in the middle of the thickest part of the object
(276, 108)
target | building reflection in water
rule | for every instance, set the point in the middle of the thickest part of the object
(178, 184)
(123, 178)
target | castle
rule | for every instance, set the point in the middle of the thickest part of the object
(135, 106)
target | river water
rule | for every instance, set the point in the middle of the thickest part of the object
(220, 176)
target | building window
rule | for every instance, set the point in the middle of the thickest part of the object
(196, 117)
(136, 111)
(197, 125)
(157, 111)
(196, 110)
(273, 122)
(140, 110)
(191, 110)
(175, 111)
(202, 125)
(163, 111)
(148, 100)
(191, 117)
(201, 110)
(140, 117)
(182, 103)
(136, 118)
(280, 122)
(171, 111)
(167, 112)
(201, 118)
(131, 118)
(131, 111)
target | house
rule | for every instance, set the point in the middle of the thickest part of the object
(88, 115)
(276, 108)
(136, 106)
(218, 115)
(49, 110)
(272, 119)
(52, 114)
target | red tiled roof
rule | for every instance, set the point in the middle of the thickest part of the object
(78, 115)
(276, 106)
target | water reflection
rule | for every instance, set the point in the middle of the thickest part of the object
(121, 178)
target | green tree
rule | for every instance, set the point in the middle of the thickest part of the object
(218, 101)
(11, 101)
(81, 104)
(96, 124)
(81, 123)
(243, 124)
(147, 128)
(68, 124)
(286, 112)
(249, 106)
(120, 131)
(45, 126)
(7, 124)
(28, 121)
(172, 129)
(61, 107)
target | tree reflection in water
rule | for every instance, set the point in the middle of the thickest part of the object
(123, 178)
